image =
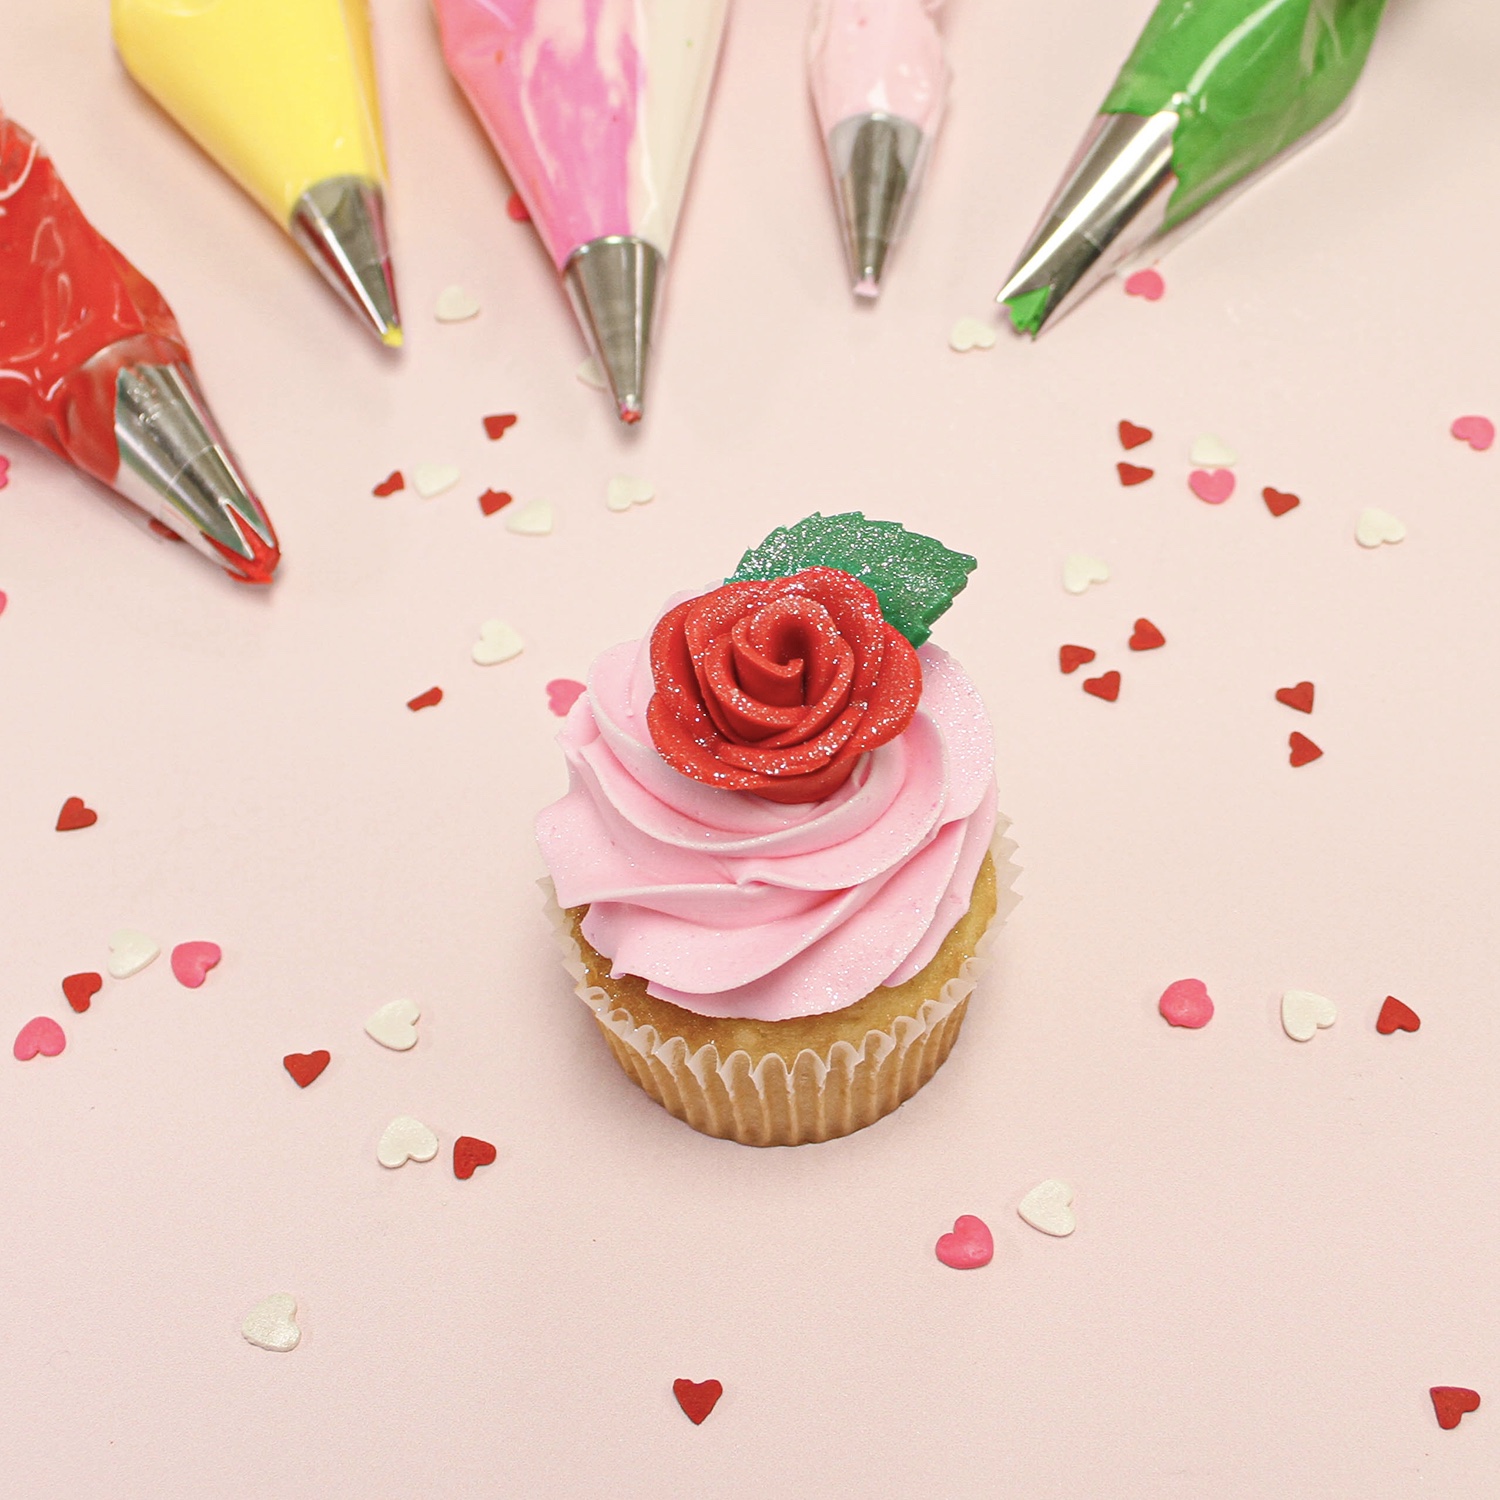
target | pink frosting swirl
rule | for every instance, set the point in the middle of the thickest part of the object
(729, 905)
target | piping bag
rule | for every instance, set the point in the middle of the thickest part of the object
(93, 366)
(879, 83)
(1215, 91)
(281, 94)
(595, 108)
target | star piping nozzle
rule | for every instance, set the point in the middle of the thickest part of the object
(877, 161)
(1111, 205)
(613, 284)
(340, 225)
(176, 466)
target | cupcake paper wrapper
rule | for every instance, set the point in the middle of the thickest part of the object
(821, 1096)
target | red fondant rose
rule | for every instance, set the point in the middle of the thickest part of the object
(778, 687)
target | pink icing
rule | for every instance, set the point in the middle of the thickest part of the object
(878, 55)
(730, 905)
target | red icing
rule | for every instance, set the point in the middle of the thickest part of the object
(777, 687)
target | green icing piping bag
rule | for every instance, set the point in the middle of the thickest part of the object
(1213, 91)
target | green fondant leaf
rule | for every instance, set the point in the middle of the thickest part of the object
(914, 577)
(1026, 311)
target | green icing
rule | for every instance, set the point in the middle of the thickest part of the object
(1027, 310)
(1248, 77)
(914, 577)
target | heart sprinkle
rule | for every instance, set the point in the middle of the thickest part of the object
(4, 471)
(515, 208)
(1302, 749)
(1147, 284)
(393, 481)
(1477, 432)
(1079, 571)
(492, 500)
(430, 699)
(1146, 637)
(1070, 658)
(40, 1034)
(1132, 436)
(394, 1025)
(1377, 526)
(1304, 1014)
(1299, 697)
(1049, 1207)
(1396, 1016)
(3, 601)
(192, 961)
(497, 642)
(470, 1152)
(1279, 502)
(1212, 486)
(455, 304)
(80, 989)
(434, 479)
(496, 427)
(76, 814)
(623, 492)
(590, 374)
(1451, 1403)
(969, 1246)
(1133, 473)
(971, 333)
(562, 694)
(697, 1398)
(1209, 453)
(1186, 1003)
(532, 519)
(130, 952)
(272, 1324)
(305, 1066)
(404, 1140)
(1106, 687)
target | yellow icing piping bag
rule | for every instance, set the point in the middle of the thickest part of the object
(281, 93)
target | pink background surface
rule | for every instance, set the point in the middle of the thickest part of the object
(1280, 1247)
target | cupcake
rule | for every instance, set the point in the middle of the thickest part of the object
(778, 865)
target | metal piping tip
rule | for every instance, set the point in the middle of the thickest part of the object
(340, 225)
(175, 465)
(613, 284)
(876, 160)
(1111, 205)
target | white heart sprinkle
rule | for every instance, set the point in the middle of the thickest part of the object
(1080, 570)
(272, 1324)
(1209, 453)
(591, 375)
(1303, 1013)
(532, 519)
(130, 952)
(433, 479)
(497, 642)
(404, 1140)
(971, 333)
(1048, 1207)
(1377, 526)
(394, 1025)
(455, 304)
(624, 492)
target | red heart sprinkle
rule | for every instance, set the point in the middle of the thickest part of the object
(1450, 1402)
(1146, 636)
(1395, 1016)
(1132, 436)
(305, 1066)
(1133, 473)
(430, 699)
(697, 1397)
(76, 814)
(1106, 687)
(470, 1152)
(1070, 658)
(517, 209)
(81, 989)
(495, 428)
(1279, 502)
(1303, 749)
(492, 500)
(1299, 697)
(390, 484)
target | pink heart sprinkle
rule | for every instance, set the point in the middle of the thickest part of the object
(1477, 432)
(3, 601)
(1186, 1003)
(970, 1246)
(192, 961)
(41, 1034)
(562, 694)
(1147, 284)
(5, 471)
(1212, 486)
